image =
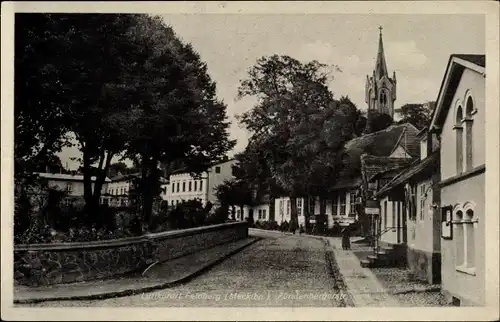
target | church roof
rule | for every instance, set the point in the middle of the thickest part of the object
(380, 65)
(410, 141)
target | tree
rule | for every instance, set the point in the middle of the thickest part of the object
(377, 121)
(291, 97)
(418, 115)
(83, 60)
(225, 193)
(176, 114)
(118, 168)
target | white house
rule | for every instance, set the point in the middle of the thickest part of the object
(459, 120)
(182, 186)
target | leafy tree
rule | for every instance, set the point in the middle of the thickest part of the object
(377, 121)
(118, 167)
(176, 114)
(418, 115)
(291, 99)
(225, 193)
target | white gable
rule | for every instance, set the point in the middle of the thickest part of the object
(400, 152)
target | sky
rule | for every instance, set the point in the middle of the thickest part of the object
(417, 48)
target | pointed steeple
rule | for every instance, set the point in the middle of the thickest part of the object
(380, 66)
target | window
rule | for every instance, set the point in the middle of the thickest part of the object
(281, 208)
(189, 186)
(173, 187)
(385, 214)
(288, 207)
(69, 186)
(217, 169)
(178, 186)
(393, 223)
(264, 216)
(465, 240)
(195, 185)
(459, 140)
(312, 205)
(299, 206)
(201, 185)
(342, 204)
(183, 186)
(335, 205)
(469, 110)
(352, 204)
(422, 201)
(260, 214)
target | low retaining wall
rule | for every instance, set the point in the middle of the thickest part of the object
(46, 264)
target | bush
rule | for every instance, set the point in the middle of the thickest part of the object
(220, 216)
(284, 226)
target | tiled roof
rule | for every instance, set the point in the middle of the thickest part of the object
(410, 141)
(372, 165)
(378, 144)
(66, 177)
(429, 165)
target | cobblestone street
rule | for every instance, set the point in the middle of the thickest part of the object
(279, 270)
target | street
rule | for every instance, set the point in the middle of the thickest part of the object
(279, 270)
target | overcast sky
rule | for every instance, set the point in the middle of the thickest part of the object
(417, 48)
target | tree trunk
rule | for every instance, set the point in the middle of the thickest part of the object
(272, 210)
(307, 213)
(87, 186)
(233, 212)
(100, 178)
(294, 220)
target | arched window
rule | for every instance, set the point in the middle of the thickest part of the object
(459, 238)
(459, 140)
(469, 109)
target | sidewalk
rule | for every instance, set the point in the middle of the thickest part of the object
(163, 275)
(363, 285)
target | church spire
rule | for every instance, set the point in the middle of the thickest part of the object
(380, 66)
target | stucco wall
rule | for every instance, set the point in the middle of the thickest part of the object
(76, 186)
(46, 264)
(468, 287)
(473, 83)
(393, 212)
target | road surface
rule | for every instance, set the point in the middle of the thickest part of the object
(277, 271)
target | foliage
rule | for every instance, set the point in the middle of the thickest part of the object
(378, 121)
(418, 115)
(122, 84)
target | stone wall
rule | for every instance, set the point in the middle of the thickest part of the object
(46, 264)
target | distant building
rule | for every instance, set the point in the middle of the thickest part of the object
(380, 89)
(459, 120)
(182, 186)
(71, 184)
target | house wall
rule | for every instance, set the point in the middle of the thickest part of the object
(76, 186)
(399, 152)
(174, 195)
(474, 83)
(263, 208)
(465, 285)
(215, 179)
(423, 235)
(118, 187)
(389, 218)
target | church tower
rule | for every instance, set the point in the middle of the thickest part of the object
(380, 89)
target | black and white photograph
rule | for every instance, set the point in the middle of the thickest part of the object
(250, 158)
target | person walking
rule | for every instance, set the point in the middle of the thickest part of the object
(346, 241)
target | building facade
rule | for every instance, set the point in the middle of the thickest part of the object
(182, 186)
(71, 184)
(459, 120)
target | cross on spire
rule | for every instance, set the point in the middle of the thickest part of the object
(380, 28)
